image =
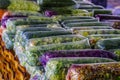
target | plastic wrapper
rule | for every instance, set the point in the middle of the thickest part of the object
(22, 30)
(20, 53)
(57, 4)
(86, 4)
(35, 70)
(78, 21)
(47, 26)
(18, 14)
(54, 26)
(63, 18)
(102, 11)
(56, 9)
(69, 11)
(76, 29)
(76, 53)
(11, 24)
(94, 38)
(75, 17)
(34, 29)
(53, 40)
(24, 36)
(103, 17)
(20, 50)
(20, 27)
(97, 31)
(56, 68)
(40, 18)
(26, 13)
(37, 77)
(51, 26)
(87, 24)
(8, 39)
(31, 34)
(19, 46)
(50, 1)
(79, 12)
(100, 71)
(53, 3)
(89, 7)
(5, 18)
(21, 13)
(15, 16)
(82, 2)
(108, 44)
(34, 53)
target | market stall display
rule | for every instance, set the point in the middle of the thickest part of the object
(54, 39)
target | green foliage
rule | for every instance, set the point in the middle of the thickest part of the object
(4, 4)
(23, 5)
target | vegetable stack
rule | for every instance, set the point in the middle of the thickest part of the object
(56, 68)
(48, 46)
(100, 71)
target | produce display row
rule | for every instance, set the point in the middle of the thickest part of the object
(76, 53)
(65, 42)
(57, 68)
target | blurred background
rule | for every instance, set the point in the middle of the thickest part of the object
(113, 3)
(110, 3)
